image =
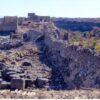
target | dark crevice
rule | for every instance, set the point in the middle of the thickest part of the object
(56, 80)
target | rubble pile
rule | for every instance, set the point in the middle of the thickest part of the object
(22, 69)
(78, 66)
(9, 44)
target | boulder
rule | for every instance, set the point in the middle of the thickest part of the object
(10, 73)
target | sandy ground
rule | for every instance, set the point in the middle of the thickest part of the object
(45, 94)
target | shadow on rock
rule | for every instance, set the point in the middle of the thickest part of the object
(56, 81)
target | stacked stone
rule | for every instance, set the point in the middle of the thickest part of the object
(17, 78)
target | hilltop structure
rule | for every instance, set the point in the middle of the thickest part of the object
(8, 25)
(54, 64)
(36, 18)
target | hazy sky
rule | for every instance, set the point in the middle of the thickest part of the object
(57, 8)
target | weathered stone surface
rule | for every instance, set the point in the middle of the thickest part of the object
(8, 25)
(17, 83)
(41, 82)
(28, 82)
(26, 38)
(12, 70)
(14, 76)
(78, 66)
(5, 85)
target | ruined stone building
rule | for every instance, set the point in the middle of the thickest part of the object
(36, 18)
(21, 20)
(8, 25)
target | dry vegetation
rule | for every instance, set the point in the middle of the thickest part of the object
(92, 42)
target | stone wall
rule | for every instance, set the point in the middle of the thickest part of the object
(80, 67)
(37, 18)
(32, 35)
(8, 24)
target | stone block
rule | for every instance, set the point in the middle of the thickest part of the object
(10, 73)
(13, 76)
(28, 83)
(41, 82)
(18, 83)
(4, 84)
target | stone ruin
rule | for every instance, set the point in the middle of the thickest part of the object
(36, 18)
(79, 67)
(76, 66)
(11, 24)
(8, 25)
(17, 78)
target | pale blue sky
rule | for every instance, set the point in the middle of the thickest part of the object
(57, 8)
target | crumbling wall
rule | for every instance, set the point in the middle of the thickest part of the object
(80, 67)
(9, 24)
(37, 18)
